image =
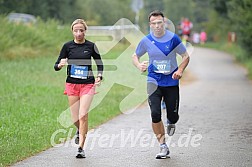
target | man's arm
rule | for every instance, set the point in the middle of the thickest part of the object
(141, 66)
(185, 60)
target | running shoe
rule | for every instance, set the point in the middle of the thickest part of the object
(80, 153)
(164, 152)
(170, 129)
(77, 137)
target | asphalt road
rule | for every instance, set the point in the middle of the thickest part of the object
(215, 126)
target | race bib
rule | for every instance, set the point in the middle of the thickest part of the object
(80, 72)
(162, 66)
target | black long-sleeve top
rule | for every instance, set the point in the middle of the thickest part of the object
(80, 55)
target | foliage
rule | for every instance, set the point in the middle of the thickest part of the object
(217, 17)
(113, 11)
(21, 41)
(220, 6)
(237, 15)
(175, 11)
(105, 12)
(217, 27)
(195, 10)
(100, 12)
(242, 21)
(48, 9)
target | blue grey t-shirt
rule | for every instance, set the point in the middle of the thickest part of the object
(162, 57)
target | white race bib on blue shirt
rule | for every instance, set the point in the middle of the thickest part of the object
(162, 66)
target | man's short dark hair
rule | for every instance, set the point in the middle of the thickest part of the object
(156, 13)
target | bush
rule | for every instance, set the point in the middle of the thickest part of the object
(242, 22)
(22, 41)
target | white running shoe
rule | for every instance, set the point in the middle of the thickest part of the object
(80, 153)
(164, 152)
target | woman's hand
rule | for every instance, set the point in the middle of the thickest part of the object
(62, 63)
(98, 80)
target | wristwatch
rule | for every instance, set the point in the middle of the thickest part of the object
(99, 77)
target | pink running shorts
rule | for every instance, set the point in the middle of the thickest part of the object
(79, 89)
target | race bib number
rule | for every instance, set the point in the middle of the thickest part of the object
(80, 72)
(162, 66)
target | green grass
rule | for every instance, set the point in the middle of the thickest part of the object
(20, 41)
(30, 103)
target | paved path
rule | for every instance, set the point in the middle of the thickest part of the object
(215, 127)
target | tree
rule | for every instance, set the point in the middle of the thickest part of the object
(201, 11)
(150, 5)
(240, 14)
(220, 7)
(178, 9)
(63, 10)
(105, 12)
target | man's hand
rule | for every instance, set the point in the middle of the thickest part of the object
(143, 66)
(177, 74)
